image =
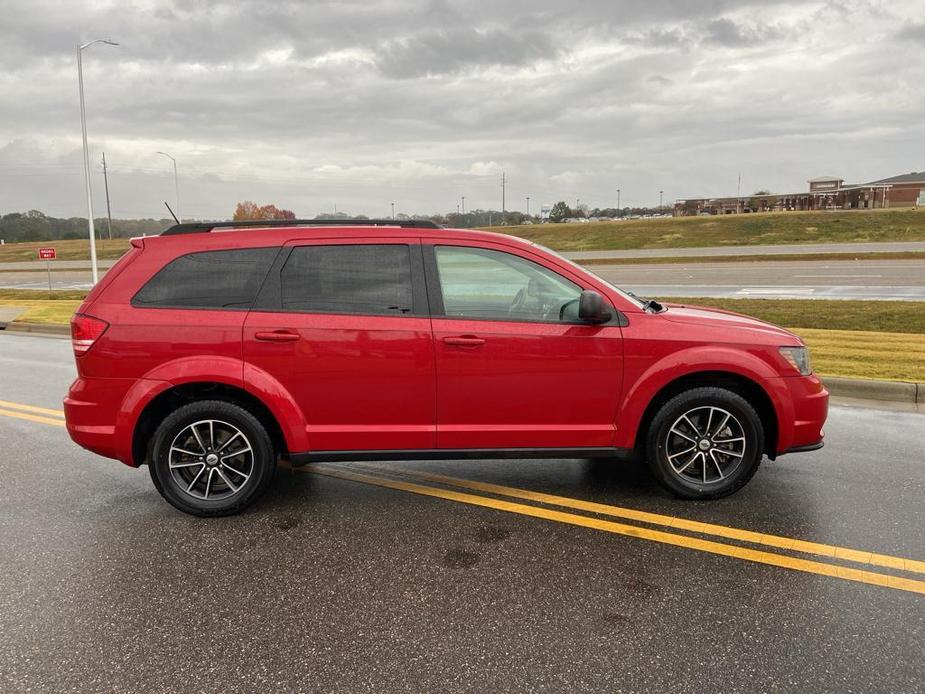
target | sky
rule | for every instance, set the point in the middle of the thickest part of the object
(358, 104)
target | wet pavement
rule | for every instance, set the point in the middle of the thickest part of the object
(329, 584)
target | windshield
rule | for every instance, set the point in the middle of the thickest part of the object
(622, 292)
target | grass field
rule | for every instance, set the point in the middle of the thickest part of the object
(758, 258)
(677, 232)
(861, 339)
(76, 249)
(730, 230)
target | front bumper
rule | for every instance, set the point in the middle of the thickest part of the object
(810, 409)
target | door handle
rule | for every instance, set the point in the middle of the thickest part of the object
(464, 341)
(277, 336)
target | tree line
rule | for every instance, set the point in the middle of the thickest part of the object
(37, 226)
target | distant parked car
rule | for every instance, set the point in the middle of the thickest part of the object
(214, 349)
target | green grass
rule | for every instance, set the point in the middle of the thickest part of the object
(730, 230)
(75, 249)
(777, 257)
(866, 316)
(855, 339)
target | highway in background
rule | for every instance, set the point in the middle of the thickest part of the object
(400, 581)
(821, 279)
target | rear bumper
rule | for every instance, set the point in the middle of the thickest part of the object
(91, 411)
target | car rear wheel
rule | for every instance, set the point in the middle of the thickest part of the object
(211, 458)
(705, 443)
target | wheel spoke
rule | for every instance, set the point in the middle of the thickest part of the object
(706, 431)
(209, 481)
(227, 481)
(688, 463)
(725, 452)
(230, 468)
(212, 434)
(236, 453)
(224, 445)
(198, 437)
(675, 455)
(196, 479)
(174, 466)
(185, 452)
(721, 426)
(737, 438)
(704, 461)
(683, 436)
(716, 463)
(691, 425)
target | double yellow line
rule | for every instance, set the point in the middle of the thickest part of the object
(42, 415)
(829, 560)
(409, 481)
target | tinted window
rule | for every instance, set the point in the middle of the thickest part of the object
(211, 279)
(348, 279)
(479, 283)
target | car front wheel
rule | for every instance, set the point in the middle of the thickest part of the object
(211, 458)
(705, 443)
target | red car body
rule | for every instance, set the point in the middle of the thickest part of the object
(341, 385)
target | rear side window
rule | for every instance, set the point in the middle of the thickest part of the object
(210, 279)
(363, 278)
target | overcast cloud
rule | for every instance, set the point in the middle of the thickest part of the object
(360, 103)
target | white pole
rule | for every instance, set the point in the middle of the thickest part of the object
(83, 128)
(176, 184)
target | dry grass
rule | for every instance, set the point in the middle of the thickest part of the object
(48, 312)
(730, 230)
(857, 354)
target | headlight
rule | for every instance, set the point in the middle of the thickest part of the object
(798, 357)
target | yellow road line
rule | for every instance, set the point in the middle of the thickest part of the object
(777, 541)
(710, 546)
(32, 418)
(31, 408)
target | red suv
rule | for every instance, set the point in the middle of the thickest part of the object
(212, 350)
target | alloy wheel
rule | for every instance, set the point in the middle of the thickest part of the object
(211, 460)
(705, 445)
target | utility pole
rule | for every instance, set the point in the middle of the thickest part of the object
(106, 186)
(503, 210)
(528, 205)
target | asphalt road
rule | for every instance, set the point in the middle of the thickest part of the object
(844, 279)
(331, 585)
(779, 249)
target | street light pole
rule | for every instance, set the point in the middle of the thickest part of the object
(393, 210)
(660, 194)
(83, 129)
(618, 201)
(176, 183)
(528, 205)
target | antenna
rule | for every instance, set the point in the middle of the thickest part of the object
(171, 213)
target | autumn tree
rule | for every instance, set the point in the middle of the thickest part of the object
(248, 210)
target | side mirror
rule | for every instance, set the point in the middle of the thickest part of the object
(591, 307)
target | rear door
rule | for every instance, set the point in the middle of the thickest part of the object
(343, 326)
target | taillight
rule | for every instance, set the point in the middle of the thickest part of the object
(85, 330)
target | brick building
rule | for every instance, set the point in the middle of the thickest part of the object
(825, 193)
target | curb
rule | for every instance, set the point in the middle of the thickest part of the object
(41, 328)
(895, 391)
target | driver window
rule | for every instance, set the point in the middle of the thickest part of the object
(480, 283)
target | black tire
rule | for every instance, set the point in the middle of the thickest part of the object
(261, 464)
(662, 438)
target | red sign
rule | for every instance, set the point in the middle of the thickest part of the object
(47, 254)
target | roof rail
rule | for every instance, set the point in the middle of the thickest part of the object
(204, 227)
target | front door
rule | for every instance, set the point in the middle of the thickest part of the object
(342, 325)
(515, 367)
